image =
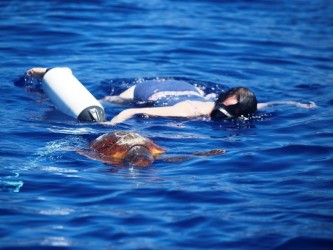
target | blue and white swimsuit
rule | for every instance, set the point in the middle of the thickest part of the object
(166, 93)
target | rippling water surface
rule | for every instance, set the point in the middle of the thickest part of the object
(271, 190)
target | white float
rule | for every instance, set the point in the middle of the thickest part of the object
(70, 96)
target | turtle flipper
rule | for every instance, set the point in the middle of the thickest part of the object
(210, 152)
(189, 157)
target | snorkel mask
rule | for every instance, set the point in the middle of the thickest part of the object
(222, 112)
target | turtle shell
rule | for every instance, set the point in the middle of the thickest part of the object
(121, 147)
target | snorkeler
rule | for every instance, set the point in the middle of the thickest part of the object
(174, 98)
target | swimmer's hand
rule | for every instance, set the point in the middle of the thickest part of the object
(309, 105)
(36, 72)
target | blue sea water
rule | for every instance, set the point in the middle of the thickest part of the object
(273, 189)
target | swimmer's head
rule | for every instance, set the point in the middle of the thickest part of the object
(234, 103)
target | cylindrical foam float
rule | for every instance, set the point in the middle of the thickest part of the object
(71, 97)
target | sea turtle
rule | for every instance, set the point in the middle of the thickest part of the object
(122, 148)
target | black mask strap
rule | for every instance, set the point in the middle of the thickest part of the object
(221, 112)
(225, 112)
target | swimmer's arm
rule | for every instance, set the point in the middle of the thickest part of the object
(296, 104)
(179, 110)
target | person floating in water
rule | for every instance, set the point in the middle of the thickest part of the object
(175, 98)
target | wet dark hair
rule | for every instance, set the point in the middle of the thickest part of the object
(246, 104)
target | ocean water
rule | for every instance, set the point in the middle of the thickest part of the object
(272, 189)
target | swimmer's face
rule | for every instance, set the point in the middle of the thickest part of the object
(235, 103)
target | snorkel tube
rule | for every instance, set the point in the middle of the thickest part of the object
(70, 96)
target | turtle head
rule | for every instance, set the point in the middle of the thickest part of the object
(139, 156)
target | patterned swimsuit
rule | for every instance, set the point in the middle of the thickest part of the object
(166, 93)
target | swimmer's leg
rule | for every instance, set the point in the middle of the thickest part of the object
(128, 93)
(114, 99)
(124, 97)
